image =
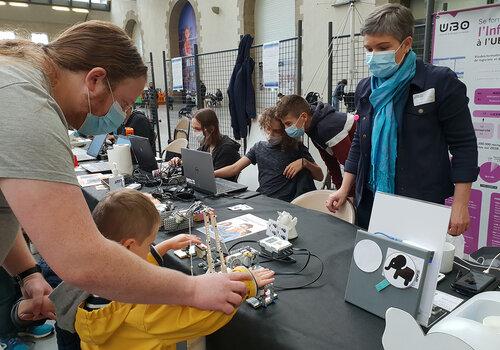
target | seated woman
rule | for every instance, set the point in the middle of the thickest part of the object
(286, 168)
(224, 150)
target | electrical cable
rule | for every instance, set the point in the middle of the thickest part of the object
(278, 288)
(491, 264)
(472, 264)
(239, 242)
(292, 273)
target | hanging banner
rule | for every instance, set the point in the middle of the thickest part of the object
(177, 80)
(468, 42)
(270, 62)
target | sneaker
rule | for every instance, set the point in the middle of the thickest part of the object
(14, 344)
(37, 332)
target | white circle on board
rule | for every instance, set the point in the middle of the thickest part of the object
(367, 255)
(399, 270)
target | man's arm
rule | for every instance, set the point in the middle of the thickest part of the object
(19, 258)
(58, 221)
(234, 169)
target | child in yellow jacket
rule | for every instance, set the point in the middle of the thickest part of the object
(130, 218)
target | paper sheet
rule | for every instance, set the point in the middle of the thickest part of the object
(446, 301)
(238, 227)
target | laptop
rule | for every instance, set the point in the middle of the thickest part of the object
(143, 153)
(199, 171)
(97, 167)
(93, 151)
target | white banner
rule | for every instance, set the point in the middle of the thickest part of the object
(177, 81)
(270, 62)
(468, 42)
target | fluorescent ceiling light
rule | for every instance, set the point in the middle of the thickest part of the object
(3, 3)
(80, 10)
(60, 8)
(18, 4)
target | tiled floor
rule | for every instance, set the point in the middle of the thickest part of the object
(48, 343)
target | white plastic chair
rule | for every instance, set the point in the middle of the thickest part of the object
(182, 129)
(315, 200)
(176, 145)
(403, 332)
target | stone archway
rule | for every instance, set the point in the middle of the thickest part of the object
(173, 14)
(133, 28)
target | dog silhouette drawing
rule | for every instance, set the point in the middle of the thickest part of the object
(398, 263)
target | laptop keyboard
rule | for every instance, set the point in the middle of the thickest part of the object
(226, 186)
(97, 167)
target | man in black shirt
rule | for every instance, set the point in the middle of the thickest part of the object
(138, 121)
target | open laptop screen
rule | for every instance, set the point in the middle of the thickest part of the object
(143, 153)
(96, 145)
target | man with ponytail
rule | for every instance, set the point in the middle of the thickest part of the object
(85, 79)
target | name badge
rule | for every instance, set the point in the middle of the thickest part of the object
(428, 96)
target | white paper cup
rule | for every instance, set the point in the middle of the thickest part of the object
(448, 255)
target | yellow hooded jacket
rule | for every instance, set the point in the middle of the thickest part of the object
(119, 326)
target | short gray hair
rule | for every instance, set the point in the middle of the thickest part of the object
(390, 19)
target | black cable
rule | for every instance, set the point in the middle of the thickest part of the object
(307, 284)
(292, 273)
(244, 241)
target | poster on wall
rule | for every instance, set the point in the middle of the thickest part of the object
(270, 63)
(177, 80)
(468, 42)
(187, 39)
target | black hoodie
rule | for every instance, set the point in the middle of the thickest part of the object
(227, 152)
(331, 132)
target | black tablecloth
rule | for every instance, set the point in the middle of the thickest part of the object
(316, 317)
(312, 318)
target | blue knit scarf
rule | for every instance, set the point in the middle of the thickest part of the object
(388, 99)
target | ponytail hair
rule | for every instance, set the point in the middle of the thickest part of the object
(82, 47)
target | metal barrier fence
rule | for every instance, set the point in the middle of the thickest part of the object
(213, 71)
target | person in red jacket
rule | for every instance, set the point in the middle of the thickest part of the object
(329, 130)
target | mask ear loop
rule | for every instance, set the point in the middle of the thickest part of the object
(110, 90)
(405, 53)
(88, 99)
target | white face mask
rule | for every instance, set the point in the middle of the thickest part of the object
(198, 136)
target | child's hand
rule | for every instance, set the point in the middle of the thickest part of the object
(293, 168)
(263, 276)
(182, 241)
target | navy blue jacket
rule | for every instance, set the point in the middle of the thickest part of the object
(240, 91)
(426, 132)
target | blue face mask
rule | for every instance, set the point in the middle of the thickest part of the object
(96, 125)
(382, 64)
(294, 131)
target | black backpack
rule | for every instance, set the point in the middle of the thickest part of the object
(313, 98)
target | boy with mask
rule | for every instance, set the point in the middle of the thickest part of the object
(329, 130)
(286, 168)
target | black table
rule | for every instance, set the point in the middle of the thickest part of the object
(316, 317)
(312, 318)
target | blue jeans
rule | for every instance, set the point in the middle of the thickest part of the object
(335, 103)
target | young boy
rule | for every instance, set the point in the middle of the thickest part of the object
(130, 218)
(330, 131)
(286, 168)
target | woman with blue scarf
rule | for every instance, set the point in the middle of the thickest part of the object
(412, 115)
